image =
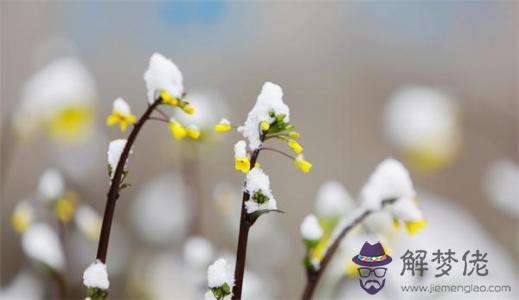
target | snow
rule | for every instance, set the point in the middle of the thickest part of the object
(115, 150)
(41, 243)
(64, 82)
(269, 100)
(96, 276)
(225, 121)
(417, 116)
(88, 221)
(198, 252)
(240, 149)
(121, 106)
(220, 273)
(333, 200)
(51, 185)
(258, 181)
(390, 180)
(310, 228)
(163, 75)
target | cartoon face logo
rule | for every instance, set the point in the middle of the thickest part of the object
(371, 261)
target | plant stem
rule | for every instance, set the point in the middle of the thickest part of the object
(313, 276)
(113, 192)
(245, 224)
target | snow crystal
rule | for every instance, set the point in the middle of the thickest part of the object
(51, 185)
(163, 75)
(310, 228)
(121, 106)
(198, 252)
(219, 273)
(333, 200)
(240, 149)
(41, 243)
(390, 180)
(115, 150)
(258, 181)
(269, 100)
(96, 276)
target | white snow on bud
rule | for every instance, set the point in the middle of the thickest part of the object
(240, 149)
(391, 181)
(333, 200)
(121, 106)
(51, 185)
(88, 221)
(163, 75)
(198, 252)
(258, 181)
(115, 150)
(41, 243)
(310, 229)
(418, 117)
(96, 276)
(220, 273)
(269, 100)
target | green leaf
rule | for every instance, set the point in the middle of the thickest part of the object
(255, 215)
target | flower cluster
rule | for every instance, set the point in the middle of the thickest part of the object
(258, 187)
(390, 188)
(59, 99)
(268, 119)
(121, 114)
(220, 280)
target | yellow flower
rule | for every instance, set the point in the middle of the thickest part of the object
(242, 164)
(302, 164)
(414, 227)
(168, 99)
(71, 124)
(22, 217)
(121, 114)
(294, 134)
(177, 130)
(193, 132)
(295, 146)
(65, 207)
(264, 125)
(223, 126)
(350, 269)
(188, 109)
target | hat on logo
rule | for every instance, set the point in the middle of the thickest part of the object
(372, 256)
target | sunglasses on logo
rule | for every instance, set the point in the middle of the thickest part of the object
(366, 272)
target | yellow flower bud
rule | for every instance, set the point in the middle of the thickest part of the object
(22, 217)
(242, 164)
(189, 109)
(265, 125)
(294, 134)
(223, 126)
(168, 99)
(177, 130)
(65, 207)
(295, 146)
(193, 132)
(302, 164)
(414, 227)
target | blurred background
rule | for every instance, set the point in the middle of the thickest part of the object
(433, 84)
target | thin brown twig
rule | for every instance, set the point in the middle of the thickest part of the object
(313, 276)
(113, 192)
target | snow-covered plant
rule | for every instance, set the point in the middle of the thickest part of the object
(219, 280)
(52, 192)
(389, 189)
(59, 99)
(268, 120)
(165, 87)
